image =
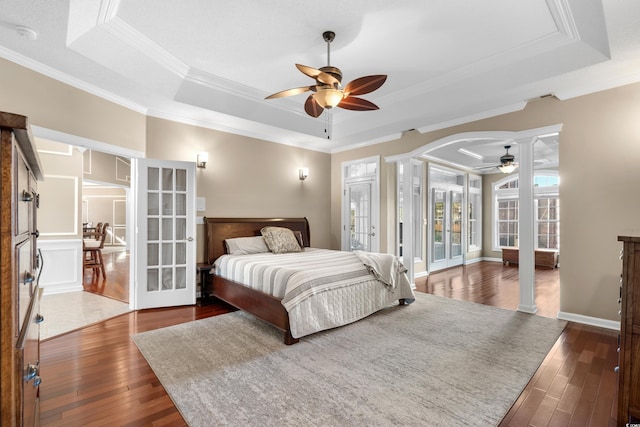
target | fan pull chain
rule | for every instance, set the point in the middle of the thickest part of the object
(328, 122)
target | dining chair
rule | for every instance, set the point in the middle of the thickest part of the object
(92, 252)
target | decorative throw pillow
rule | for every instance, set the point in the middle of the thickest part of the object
(246, 245)
(280, 240)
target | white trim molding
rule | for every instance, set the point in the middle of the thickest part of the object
(61, 266)
(588, 320)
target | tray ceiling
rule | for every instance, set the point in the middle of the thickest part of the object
(211, 63)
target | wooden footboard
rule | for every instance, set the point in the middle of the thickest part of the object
(261, 305)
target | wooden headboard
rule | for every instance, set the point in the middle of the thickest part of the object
(218, 229)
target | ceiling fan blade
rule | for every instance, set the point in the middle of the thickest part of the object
(365, 84)
(321, 76)
(291, 92)
(357, 104)
(312, 107)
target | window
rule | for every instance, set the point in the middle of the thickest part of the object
(548, 223)
(547, 206)
(508, 223)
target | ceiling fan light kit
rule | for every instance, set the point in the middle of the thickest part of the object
(507, 162)
(507, 168)
(328, 97)
(328, 91)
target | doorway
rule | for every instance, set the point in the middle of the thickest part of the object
(360, 205)
(445, 210)
(106, 199)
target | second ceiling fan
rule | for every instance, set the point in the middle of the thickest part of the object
(507, 162)
(328, 91)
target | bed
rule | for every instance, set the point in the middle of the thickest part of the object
(294, 316)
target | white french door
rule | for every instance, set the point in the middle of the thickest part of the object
(362, 231)
(446, 228)
(361, 205)
(164, 233)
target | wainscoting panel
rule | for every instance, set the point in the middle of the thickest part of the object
(61, 265)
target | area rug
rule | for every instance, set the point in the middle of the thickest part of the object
(436, 362)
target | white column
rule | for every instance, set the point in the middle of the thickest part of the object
(408, 232)
(526, 227)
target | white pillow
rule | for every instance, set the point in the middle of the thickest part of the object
(246, 245)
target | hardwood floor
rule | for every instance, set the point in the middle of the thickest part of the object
(576, 384)
(97, 376)
(497, 287)
(116, 285)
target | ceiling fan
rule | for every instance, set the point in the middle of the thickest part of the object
(507, 162)
(328, 92)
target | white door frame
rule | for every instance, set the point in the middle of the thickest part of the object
(87, 143)
(374, 179)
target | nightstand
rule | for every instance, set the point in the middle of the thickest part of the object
(203, 270)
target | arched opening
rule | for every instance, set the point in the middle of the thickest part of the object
(474, 159)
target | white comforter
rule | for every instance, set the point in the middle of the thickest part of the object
(319, 288)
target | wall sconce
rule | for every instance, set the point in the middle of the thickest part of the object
(303, 173)
(202, 159)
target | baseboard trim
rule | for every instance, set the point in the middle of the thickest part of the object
(531, 309)
(588, 320)
(491, 259)
(61, 289)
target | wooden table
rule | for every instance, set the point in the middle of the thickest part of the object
(543, 257)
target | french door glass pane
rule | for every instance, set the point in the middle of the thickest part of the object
(181, 228)
(153, 204)
(359, 198)
(181, 277)
(456, 224)
(167, 254)
(152, 280)
(167, 229)
(167, 204)
(181, 180)
(153, 256)
(181, 204)
(153, 229)
(153, 179)
(439, 211)
(167, 179)
(181, 253)
(167, 279)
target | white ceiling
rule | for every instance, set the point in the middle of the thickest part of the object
(211, 63)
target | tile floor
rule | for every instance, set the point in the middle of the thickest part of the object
(72, 310)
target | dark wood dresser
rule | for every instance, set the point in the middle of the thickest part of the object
(19, 261)
(629, 350)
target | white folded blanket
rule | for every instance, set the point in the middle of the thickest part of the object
(385, 267)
